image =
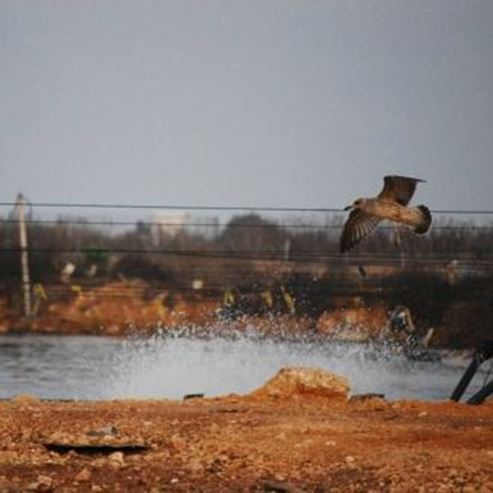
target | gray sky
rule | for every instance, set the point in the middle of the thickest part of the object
(274, 102)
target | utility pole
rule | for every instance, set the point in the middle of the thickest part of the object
(26, 283)
(398, 243)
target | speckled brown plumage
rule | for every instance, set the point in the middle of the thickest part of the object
(391, 204)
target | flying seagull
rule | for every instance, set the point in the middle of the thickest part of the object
(390, 203)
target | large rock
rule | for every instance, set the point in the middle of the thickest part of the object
(308, 381)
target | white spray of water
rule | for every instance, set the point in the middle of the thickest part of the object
(174, 366)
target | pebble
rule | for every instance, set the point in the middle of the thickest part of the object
(178, 443)
(103, 432)
(84, 475)
(116, 459)
(25, 399)
(99, 462)
(195, 465)
(443, 488)
(43, 483)
(280, 487)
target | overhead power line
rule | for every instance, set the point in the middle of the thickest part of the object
(175, 207)
(218, 208)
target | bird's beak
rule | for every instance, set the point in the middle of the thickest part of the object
(348, 208)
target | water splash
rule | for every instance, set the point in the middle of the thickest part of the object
(175, 364)
(169, 365)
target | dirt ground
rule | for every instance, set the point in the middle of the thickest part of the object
(266, 441)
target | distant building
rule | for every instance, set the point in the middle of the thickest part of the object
(168, 226)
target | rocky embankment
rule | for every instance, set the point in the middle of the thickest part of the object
(129, 307)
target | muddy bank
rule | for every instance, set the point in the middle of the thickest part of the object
(130, 307)
(284, 437)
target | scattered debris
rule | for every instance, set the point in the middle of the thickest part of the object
(103, 432)
(366, 397)
(192, 396)
(93, 444)
(280, 487)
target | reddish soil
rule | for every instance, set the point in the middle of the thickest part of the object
(115, 308)
(134, 306)
(304, 442)
(104, 310)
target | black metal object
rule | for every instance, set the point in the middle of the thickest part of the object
(186, 397)
(481, 395)
(482, 354)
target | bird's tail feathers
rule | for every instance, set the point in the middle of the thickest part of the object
(425, 222)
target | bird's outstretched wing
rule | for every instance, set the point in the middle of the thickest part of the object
(399, 189)
(358, 225)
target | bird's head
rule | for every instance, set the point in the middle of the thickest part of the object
(357, 204)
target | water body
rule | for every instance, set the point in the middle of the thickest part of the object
(93, 367)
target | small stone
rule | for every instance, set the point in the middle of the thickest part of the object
(116, 459)
(84, 475)
(174, 480)
(103, 432)
(422, 414)
(178, 443)
(195, 465)
(99, 462)
(443, 488)
(280, 487)
(25, 399)
(43, 483)
(349, 459)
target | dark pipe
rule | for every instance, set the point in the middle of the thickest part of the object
(483, 353)
(481, 395)
(466, 378)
